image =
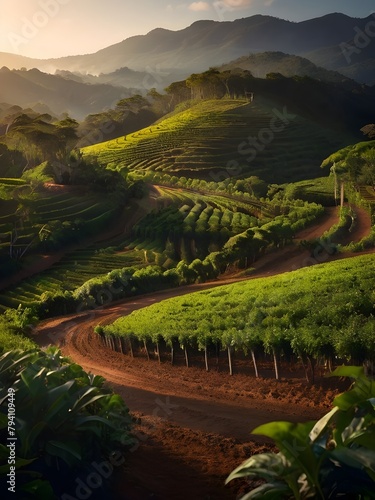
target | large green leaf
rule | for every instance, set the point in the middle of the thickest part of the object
(355, 372)
(294, 442)
(321, 425)
(269, 466)
(360, 458)
(363, 389)
(29, 436)
(12, 361)
(86, 399)
(34, 385)
(270, 491)
(69, 451)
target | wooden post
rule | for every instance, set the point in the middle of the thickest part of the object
(206, 359)
(112, 343)
(230, 361)
(276, 364)
(123, 346)
(120, 348)
(186, 357)
(131, 348)
(158, 351)
(145, 345)
(172, 354)
(254, 363)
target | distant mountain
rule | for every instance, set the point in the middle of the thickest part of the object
(36, 89)
(288, 65)
(122, 77)
(330, 41)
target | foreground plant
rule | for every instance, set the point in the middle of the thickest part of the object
(332, 458)
(64, 420)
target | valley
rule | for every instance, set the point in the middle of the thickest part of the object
(187, 260)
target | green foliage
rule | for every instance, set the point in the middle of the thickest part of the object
(38, 139)
(14, 323)
(355, 163)
(332, 458)
(65, 418)
(318, 311)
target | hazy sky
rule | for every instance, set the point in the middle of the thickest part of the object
(54, 28)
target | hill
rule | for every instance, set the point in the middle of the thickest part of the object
(216, 139)
(263, 63)
(122, 77)
(61, 95)
(329, 41)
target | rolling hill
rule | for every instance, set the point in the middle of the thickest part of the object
(282, 136)
(210, 140)
(262, 63)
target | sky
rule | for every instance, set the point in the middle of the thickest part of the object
(56, 28)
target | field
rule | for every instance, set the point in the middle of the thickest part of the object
(211, 140)
(68, 274)
(184, 225)
(296, 313)
(46, 220)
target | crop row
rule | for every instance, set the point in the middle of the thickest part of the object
(68, 274)
(28, 220)
(314, 312)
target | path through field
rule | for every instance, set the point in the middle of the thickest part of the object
(193, 427)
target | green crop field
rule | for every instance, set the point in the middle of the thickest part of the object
(326, 310)
(68, 274)
(213, 136)
(28, 218)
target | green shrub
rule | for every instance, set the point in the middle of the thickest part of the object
(65, 420)
(332, 458)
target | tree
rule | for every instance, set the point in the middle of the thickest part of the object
(369, 130)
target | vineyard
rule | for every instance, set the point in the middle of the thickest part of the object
(199, 223)
(211, 140)
(321, 313)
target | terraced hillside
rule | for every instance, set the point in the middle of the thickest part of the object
(185, 228)
(181, 216)
(68, 274)
(228, 137)
(46, 219)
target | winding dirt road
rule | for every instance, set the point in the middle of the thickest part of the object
(193, 427)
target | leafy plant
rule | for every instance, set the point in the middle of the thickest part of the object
(332, 458)
(65, 419)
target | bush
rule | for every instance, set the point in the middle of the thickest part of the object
(333, 458)
(64, 421)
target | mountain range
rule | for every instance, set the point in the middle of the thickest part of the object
(335, 42)
(34, 88)
(334, 48)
